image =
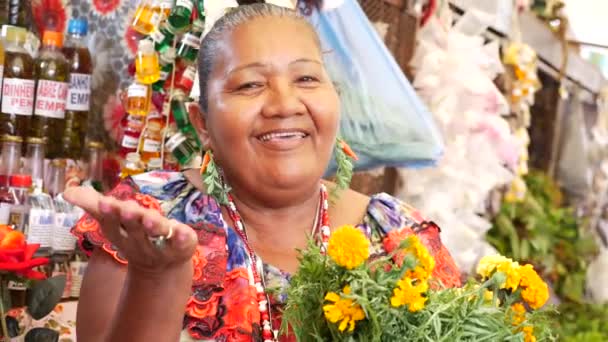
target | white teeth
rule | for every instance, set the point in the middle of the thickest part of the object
(282, 135)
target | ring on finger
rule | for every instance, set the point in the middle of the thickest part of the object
(161, 241)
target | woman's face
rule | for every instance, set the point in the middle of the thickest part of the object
(273, 112)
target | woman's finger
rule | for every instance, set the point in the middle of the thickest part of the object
(85, 198)
(109, 220)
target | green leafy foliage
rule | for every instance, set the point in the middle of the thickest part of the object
(44, 296)
(214, 185)
(582, 322)
(344, 172)
(542, 232)
(461, 314)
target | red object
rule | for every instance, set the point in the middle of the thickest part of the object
(21, 261)
(429, 10)
(20, 181)
(50, 15)
(106, 7)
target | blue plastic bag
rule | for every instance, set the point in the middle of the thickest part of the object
(383, 119)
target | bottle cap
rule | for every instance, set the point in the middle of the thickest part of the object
(14, 34)
(59, 163)
(78, 26)
(168, 56)
(34, 141)
(198, 25)
(12, 138)
(52, 38)
(133, 157)
(146, 46)
(20, 181)
(98, 145)
(155, 163)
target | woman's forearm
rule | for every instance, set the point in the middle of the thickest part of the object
(152, 306)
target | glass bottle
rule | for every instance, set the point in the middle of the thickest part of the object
(56, 177)
(182, 149)
(34, 159)
(133, 165)
(186, 81)
(132, 132)
(18, 86)
(154, 164)
(138, 99)
(164, 7)
(151, 140)
(191, 42)
(52, 73)
(95, 165)
(179, 110)
(62, 240)
(163, 37)
(147, 68)
(20, 187)
(167, 59)
(9, 165)
(146, 17)
(180, 15)
(79, 91)
(41, 218)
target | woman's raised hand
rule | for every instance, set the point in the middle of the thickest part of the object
(130, 226)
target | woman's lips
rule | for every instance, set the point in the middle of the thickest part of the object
(283, 140)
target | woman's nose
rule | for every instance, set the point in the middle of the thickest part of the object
(283, 101)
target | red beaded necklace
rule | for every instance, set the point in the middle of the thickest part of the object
(255, 268)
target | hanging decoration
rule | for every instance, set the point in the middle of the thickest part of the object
(454, 76)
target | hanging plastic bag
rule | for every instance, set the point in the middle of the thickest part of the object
(574, 171)
(383, 119)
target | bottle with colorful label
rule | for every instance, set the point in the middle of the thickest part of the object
(133, 165)
(79, 91)
(191, 42)
(134, 125)
(163, 37)
(147, 67)
(52, 77)
(151, 140)
(180, 15)
(18, 86)
(167, 59)
(147, 17)
(138, 99)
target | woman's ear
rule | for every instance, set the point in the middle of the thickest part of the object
(199, 121)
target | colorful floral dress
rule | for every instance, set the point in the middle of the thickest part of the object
(223, 305)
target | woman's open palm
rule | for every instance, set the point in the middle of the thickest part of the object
(129, 226)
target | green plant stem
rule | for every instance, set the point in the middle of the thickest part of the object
(2, 314)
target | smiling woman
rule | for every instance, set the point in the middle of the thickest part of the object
(269, 113)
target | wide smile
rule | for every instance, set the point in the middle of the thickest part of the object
(283, 140)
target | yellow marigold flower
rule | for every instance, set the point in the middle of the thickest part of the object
(535, 291)
(343, 310)
(348, 247)
(426, 263)
(498, 263)
(529, 334)
(519, 314)
(410, 294)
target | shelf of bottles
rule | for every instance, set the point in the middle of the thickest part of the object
(157, 129)
(44, 109)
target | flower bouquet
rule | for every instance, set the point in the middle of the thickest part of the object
(348, 295)
(17, 263)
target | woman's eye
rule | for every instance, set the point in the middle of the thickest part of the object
(249, 86)
(308, 79)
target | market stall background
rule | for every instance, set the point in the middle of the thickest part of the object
(554, 217)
